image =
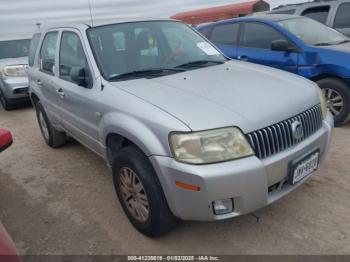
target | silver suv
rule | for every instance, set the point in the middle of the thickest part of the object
(335, 14)
(188, 133)
(13, 77)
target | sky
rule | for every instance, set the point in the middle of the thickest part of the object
(18, 17)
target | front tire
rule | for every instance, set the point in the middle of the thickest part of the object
(337, 94)
(52, 137)
(140, 193)
(5, 102)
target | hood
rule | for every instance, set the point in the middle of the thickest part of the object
(238, 94)
(14, 61)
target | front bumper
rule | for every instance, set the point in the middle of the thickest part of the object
(15, 88)
(251, 182)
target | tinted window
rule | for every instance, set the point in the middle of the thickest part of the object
(205, 31)
(47, 52)
(71, 54)
(342, 20)
(14, 48)
(319, 14)
(32, 48)
(225, 34)
(284, 12)
(260, 36)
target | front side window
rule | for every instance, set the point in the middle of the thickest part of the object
(226, 34)
(32, 48)
(342, 19)
(157, 46)
(47, 53)
(312, 32)
(258, 35)
(14, 48)
(319, 14)
(71, 55)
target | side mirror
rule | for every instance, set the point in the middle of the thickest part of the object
(5, 139)
(80, 76)
(283, 46)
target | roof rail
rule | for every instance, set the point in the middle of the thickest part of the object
(298, 4)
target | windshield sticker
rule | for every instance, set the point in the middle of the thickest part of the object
(207, 48)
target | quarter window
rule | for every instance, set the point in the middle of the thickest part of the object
(32, 48)
(71, 54)
(319, 14)
(225, 34)
(260, 36)
(342, 20)
(47, 53)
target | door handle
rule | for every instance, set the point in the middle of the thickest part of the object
(243, 58)
(39, 82)
(60, 93)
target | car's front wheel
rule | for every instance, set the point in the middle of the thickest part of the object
(52, 137)
(140, 192)
(337, 94)
(5, 102)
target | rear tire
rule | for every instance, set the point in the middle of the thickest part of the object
(51, 136)
(152, 216)
(338, 97)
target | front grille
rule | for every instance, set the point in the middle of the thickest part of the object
(278, 137)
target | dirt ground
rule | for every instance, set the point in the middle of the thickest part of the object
(63, 202)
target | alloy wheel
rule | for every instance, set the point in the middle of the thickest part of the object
(134, 194)
(334, 100)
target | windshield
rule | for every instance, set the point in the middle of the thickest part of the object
(312, 32)
(14, 48)
(149, 47)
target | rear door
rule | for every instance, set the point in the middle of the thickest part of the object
(342, 19)
(255, 46)
(225, 37)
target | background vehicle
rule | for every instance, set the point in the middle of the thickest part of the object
(296, 44)
(334, 13)
(13, 78)
(174, 119)
(5, 139)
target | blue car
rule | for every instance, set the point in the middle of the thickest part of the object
(296, 44)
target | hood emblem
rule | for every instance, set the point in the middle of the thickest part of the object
(297, 130)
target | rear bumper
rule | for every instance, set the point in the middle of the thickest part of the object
(251, 183)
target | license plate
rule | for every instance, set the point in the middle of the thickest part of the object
(304, 167)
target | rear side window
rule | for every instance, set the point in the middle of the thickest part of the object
(319, 14)
(71, 55)
(260, 36)
(32, 48)
(284, 12)
(226, 34)
(342, 19)
(47, 53)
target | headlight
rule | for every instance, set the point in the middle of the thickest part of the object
(324, 106)
(16, 70)
(210, 146)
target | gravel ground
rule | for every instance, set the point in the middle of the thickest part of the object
(63, 202)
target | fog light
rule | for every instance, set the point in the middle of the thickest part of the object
(223, 206)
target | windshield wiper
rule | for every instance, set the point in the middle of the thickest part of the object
(343, 42)
(323, 44)
(145, 72)
(200, 63)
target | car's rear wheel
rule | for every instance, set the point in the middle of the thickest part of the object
(140, 192)
(52, 137)
(337, 94)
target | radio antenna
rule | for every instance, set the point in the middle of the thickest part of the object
(92, 21)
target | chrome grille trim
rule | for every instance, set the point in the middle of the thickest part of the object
(273, 139)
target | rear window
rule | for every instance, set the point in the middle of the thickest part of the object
(342, 20)
(205, 31)
(32, 48)
(14, 48)
(319, 14)
(225, 34)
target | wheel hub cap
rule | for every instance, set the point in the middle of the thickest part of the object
(334, 101)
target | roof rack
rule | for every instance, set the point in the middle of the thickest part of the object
(298, 4)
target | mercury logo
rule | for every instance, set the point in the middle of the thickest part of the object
(297, 129)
